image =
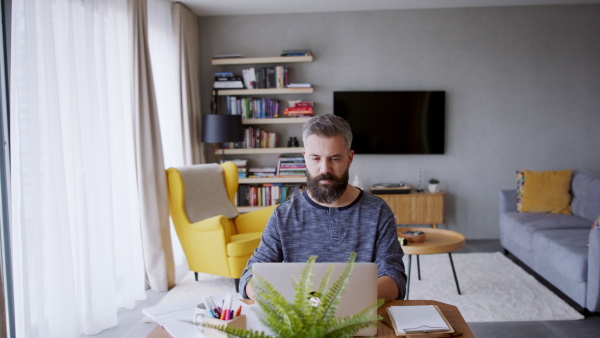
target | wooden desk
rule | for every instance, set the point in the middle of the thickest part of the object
(450, 312)
(417, 208)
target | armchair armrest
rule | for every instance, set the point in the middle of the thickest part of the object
(593, 281)
(254, 221)
(508, 200)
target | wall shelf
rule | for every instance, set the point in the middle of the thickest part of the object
(265, 91)
(237, 151)
(262, 60)
(258, 180)
(279, 120)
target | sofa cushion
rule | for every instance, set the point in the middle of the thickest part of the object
(586, 195)
(561, 250)
(546, 191)
(519, 227)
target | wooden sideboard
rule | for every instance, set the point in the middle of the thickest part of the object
(417, 208)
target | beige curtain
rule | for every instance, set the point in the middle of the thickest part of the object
(152, 186)
(187, 38)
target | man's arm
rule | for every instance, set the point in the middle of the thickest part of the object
(387, 288)
(250, 290)
(389, 259)
(269, 250)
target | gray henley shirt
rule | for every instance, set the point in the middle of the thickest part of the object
(300, 228)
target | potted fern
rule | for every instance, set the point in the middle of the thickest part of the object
(307, 316)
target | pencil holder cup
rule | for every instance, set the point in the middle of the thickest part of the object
(237, 322)
(200, 313)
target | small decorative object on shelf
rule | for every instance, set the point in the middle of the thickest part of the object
(419, 185)
(434, 185)
(413, 236)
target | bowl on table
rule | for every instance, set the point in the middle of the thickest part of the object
(413, 236)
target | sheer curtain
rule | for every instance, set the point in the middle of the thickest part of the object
(168, 90)
(77, 247)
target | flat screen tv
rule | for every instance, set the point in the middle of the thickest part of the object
(394, 122)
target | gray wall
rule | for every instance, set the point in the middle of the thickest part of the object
(523, 88)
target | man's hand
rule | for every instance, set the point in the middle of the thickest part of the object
(250, 290)
(386, 288)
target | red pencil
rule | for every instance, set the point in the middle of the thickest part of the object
(239, 311)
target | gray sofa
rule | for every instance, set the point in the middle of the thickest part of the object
(556, 246)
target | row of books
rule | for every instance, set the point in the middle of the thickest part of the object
(256, 138)
(252, 108)
(266, 77)
(267, 194)
(291, 166)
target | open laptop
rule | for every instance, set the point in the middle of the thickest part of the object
(361, 290)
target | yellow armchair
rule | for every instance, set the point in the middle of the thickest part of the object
(220, 244)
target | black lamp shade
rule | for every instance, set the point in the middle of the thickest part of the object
(222, 128)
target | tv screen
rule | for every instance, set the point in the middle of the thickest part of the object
(394, 122)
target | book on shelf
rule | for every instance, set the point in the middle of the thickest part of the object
(258, 138)
(299, 85)
(262, 172)
(252, 108)
(228, 82)
(296, 52)
(227, 56)
(242, 165)
(267, 193)
(299, 108)
(266, 77)
(291, 166)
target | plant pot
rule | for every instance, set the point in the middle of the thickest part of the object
(434, 187)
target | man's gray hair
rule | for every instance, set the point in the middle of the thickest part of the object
(327, 125)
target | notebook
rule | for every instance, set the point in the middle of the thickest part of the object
(361, 290)
(418, 319)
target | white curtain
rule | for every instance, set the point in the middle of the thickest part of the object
(161, 43)
(77, 248)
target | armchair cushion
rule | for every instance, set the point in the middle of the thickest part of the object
(205, 194)
(243, 244)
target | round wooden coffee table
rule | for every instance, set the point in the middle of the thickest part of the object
(436, 241)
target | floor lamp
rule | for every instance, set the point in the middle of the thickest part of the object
(221, 129)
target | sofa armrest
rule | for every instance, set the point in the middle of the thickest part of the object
(508, 200)
(593, 281)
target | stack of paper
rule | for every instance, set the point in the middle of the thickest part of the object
(418, 319)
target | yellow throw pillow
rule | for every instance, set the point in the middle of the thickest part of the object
(547, 191)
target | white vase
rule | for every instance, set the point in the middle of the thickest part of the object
(434, 188)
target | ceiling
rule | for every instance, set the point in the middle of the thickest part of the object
(245, 7)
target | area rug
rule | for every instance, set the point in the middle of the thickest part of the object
(493, 288)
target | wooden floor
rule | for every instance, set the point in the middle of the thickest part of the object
(131, 325)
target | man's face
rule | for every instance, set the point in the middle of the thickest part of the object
(327, 164)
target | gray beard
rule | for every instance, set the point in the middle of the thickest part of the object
(327, 194)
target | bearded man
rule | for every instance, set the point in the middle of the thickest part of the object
(332, 219)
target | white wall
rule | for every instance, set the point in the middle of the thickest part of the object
(523, 87)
